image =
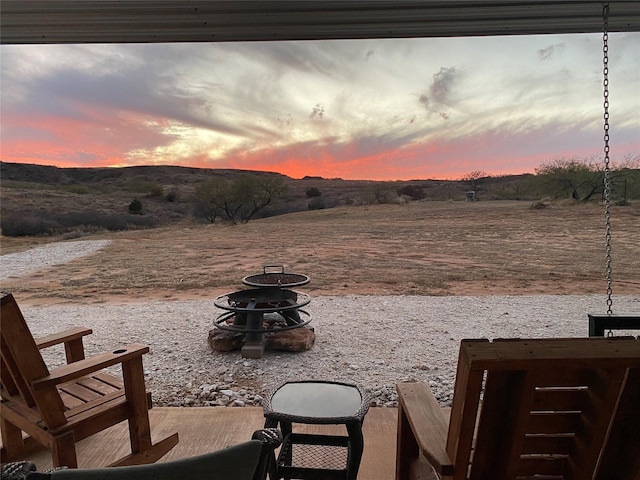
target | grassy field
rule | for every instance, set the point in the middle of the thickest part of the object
(420, 248)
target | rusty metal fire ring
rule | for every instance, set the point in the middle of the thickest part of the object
(276, 277)
(262, 300)
(223, 318)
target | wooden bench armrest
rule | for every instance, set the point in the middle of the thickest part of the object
(96, 363)
(428, 424)
(62, 337)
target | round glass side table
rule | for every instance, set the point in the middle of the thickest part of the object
(312, 456)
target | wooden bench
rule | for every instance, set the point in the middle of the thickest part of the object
(560, 408)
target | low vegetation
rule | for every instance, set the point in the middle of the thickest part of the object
(43, 200)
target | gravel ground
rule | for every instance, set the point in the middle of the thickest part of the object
(375, 341)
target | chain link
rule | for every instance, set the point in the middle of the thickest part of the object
(607, 166)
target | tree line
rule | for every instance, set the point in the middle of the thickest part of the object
(240, 199)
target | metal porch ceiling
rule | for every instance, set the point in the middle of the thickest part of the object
(159, 21)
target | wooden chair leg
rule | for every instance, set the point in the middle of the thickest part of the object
(14, 445)
(407, 447)
(64, 450)
(142, 449)
(139, 427)
(11, 440)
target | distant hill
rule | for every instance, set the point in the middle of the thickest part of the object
(164, 175)
(39, 199)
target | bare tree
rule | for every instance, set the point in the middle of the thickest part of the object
(577, 179)
(378, 192)
(255, 193)
(237, 200)
(473, 180)
(214, 199)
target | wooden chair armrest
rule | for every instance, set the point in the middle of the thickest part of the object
(428, 424)
(72, 339)
(62, 337)
(96, 363)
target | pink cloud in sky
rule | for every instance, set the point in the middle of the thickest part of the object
(72, 144)
(94, 139)
(496, 152)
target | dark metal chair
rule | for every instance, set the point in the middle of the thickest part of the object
(246, 461)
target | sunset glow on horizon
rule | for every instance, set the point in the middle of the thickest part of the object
(359, 109)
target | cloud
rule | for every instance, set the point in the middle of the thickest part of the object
(71, 93)
(354, 108)
(317, 112)
(442, 85)
(438, 155)
(440, 92)
(547, 52)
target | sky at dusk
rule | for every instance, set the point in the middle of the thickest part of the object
(356, 109)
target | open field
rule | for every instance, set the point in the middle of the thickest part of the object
(421, 248)
(394, 288)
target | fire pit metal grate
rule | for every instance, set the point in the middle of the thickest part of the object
(276, 278)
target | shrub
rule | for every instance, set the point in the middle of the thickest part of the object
(313, 192)
(74, 219)
(78, 188)
(20, 225)
(539, 205)
(93, 220)
(156, 191)
(70, 224)
(124, 222)
(135, 207)
(414, 192)
(172, 195)
(138, 186)
(316, 203)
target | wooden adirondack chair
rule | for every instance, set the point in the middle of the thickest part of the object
(56, 408)
(555, 408)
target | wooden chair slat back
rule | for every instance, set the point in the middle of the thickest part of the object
(466, 398)
(9, 384)
(542, 407)
(24, 363)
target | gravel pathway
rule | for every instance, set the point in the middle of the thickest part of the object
(46, 256)
(376, 341)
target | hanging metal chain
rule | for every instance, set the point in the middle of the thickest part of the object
(607, 166)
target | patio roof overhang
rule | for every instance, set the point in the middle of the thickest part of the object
(160, 21)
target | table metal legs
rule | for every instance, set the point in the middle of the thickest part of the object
(354, 443)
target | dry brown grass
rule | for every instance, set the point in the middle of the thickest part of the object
(430, 248)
